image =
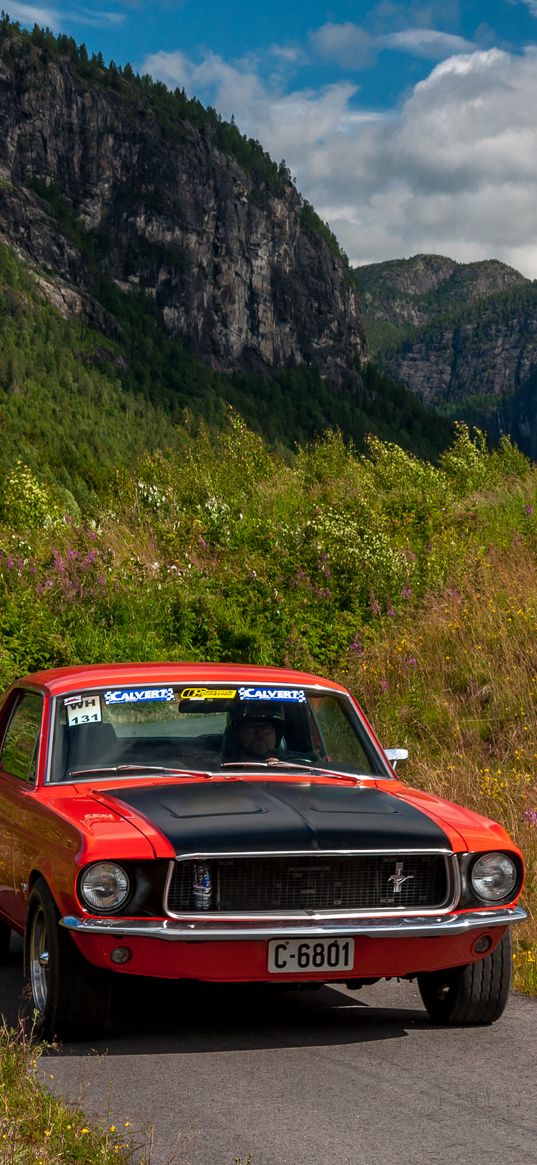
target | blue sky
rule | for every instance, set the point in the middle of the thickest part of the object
(409, 126)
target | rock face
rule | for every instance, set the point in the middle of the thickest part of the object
(230, 260)
(463, 336)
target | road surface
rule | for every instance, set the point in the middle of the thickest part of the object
(329, 1077)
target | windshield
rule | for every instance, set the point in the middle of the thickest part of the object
(209, 729)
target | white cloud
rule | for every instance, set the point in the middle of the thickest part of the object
(352, 47)
(346, 44)
(31, 14)
(427, 42)
(288, 53)
(94, 19)
(452, 171)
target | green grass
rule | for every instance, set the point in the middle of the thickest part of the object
(38, 1128)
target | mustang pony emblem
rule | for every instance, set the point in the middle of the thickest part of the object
(399, 878)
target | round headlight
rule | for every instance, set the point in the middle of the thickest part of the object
(493, 877)
(104, 887)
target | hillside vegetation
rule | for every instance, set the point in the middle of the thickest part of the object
(76, 402)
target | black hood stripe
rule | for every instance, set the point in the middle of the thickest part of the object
(255, 816)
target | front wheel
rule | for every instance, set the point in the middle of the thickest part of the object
(67, 998)
(472, 995)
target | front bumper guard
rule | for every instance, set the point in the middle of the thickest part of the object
(205, 930)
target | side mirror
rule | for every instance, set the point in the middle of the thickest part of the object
(396, 756)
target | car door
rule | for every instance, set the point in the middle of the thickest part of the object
(19, 751)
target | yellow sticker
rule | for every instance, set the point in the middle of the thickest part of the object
(208, 693)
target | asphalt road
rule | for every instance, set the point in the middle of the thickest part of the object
(328, 1077)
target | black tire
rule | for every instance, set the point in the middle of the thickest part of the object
(472, 995)
(5, 939)
(65, 997)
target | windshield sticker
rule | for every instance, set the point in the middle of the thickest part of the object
(208, 693)
(83, 710)
(294, 694)
(137, 695)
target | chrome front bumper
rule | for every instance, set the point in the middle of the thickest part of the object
(217, 930)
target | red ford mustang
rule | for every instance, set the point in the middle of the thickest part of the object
(235, 824)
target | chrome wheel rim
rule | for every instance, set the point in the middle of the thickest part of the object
(39, 960)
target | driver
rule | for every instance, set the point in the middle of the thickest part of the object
(254, 733)
(259, 737)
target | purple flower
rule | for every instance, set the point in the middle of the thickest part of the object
(391, 612)
(411, 661)
(20, 563)
(384, 685)
(529, 817)
(202, 542)
(10, 562)
(528, 509)
(68, 519)
(101, 580)
(406, 592)
(31, 568)
(375, 606)
(357, 647)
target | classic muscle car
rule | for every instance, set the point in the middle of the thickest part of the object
(235, 824)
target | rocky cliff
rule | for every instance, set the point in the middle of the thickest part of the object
(463, 336)
(104, 172)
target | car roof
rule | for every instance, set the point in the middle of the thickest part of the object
(66, 679)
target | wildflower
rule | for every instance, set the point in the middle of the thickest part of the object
(391, 612)
(202, 542)
(357, 647)
(68, 519)
(384, 685)
(406, 592)
(84, 1130)
(529, 817)
(528, 509)
(411, 661)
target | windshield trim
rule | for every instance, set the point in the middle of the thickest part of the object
(369, 739)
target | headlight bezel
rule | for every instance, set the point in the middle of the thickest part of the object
(471, 895)
(105, 868)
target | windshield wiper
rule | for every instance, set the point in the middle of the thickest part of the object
(272, 763)
(132, 769)
(310, 767)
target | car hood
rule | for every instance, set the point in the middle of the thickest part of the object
(230, 816)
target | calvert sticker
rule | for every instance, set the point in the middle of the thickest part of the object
(208, 693)
(138, 695)
(295, 694)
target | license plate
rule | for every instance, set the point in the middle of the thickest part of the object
(310, 956)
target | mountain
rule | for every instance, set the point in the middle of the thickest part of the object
(222, 241)
(167, 234)
(462, 336)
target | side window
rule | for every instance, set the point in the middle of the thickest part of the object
(21, 741)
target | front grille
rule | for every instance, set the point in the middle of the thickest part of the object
(311, 883)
